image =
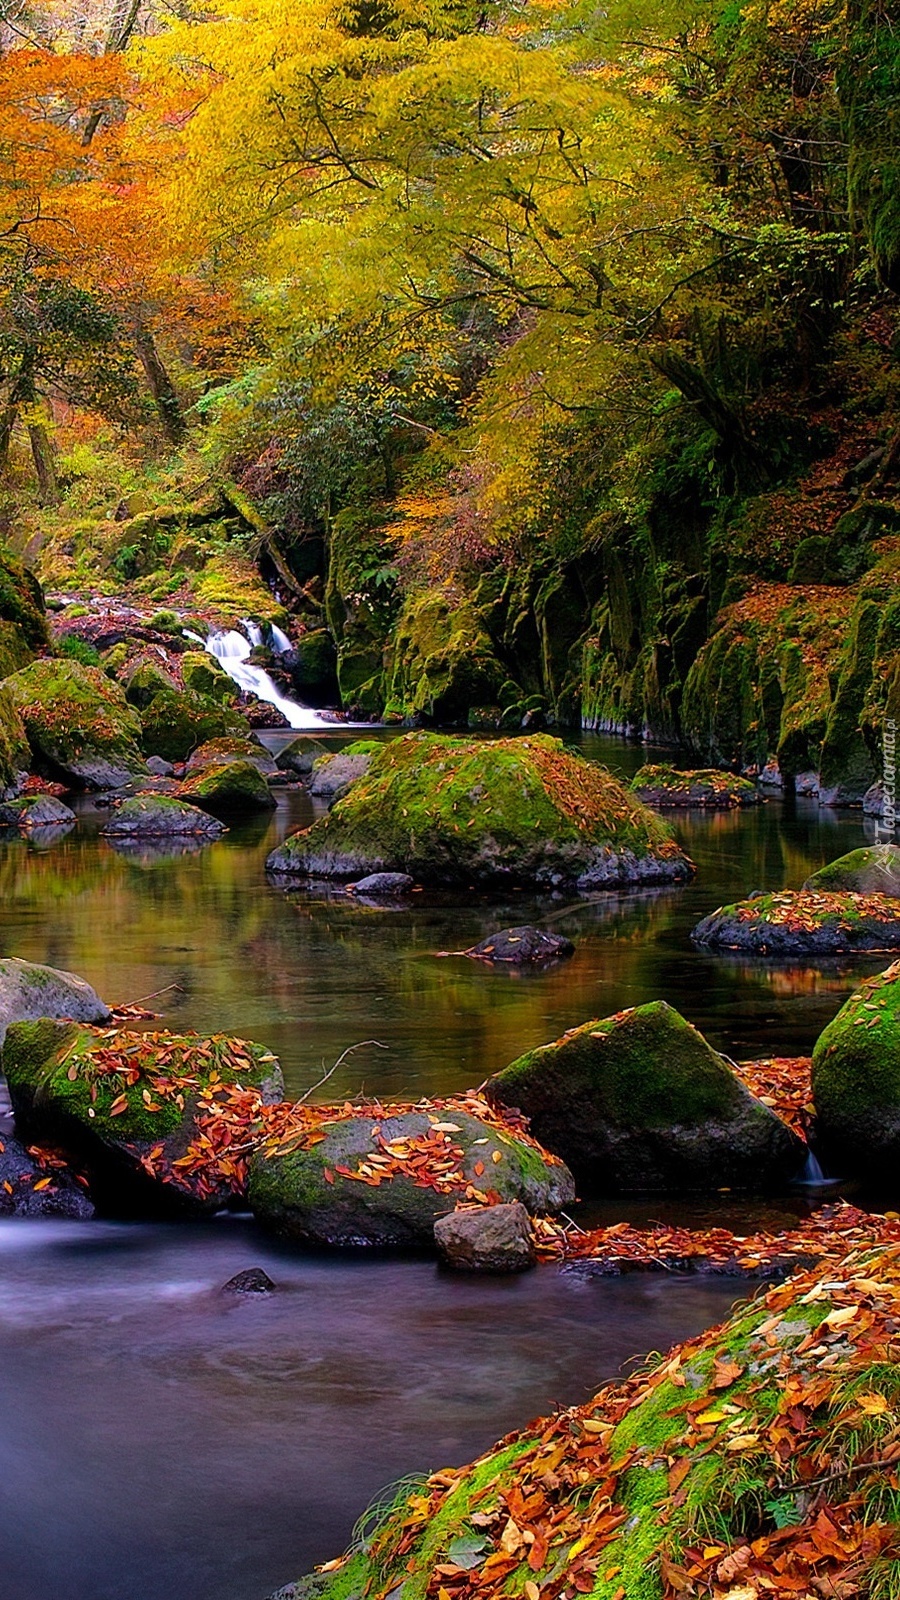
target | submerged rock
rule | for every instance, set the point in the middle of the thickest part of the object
(663, 786)
(150, 816)
(856, 1081)
(78, 723)
(253, 1280)
(640, 1101)
(519, 811)
(39, 1186)
(874, 869)
(486, 1239)
(333, 774)
(371, 1179)
(228, 789)
(35, 811)
(522, 946)
(29, 991)
(803, 922)
(137, 1110)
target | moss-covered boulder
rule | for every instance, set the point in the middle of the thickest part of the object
(312, 664)
(23, 622)
(78, 723)
(219, 752)
(203, 675)
(640, 1101)
(145, 681)
(161, 816)
(510, 810)
(443, 659)
(746, 1463)
(803, 922)
(157, 1120)
(228, 789)
(29, 991)
(300, 756)
(35, 811)
(662, 786)
(873, 869)
(384, 1177)
(856, 1080)
(174, 724)
(15, 755)
(333, 774)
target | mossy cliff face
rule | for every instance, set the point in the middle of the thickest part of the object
(78, 723)
(509, 810)
(640, 1101)
(803, 922)
(442, 662)
(358, 1186)
(744, 1463)
(137, 1109)
(856, 1080)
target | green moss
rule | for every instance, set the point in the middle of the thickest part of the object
(443, 661)
(14, 754)
(707, 786)
(175, 724)
(228, 786)
(203, 675)
(146, 680)
(873, 869)
(856, 1076)
(74, 714)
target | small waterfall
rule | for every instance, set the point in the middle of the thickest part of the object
(812, 1173)
(231, 649)
(253, 632)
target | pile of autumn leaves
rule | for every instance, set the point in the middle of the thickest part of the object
(761, 1459)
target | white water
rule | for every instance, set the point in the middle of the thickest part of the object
(812, 1173)
(231, 649)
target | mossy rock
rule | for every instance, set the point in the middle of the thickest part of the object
(313, 667)
(695, 1464)
(231, 788)
(23, 621)
(129, 1108)
(308, 1195)
(516, 811)
(35, 811)
(161, 816)
(662, 786)
(175, 724)
(300, 756)
(78, 723)
(873, 869)
(145, 681)
(443, 659)
(333, 773)
(219, 752)
(640, 1101)
(203, 675)
(856, 1081)
(15, 755)
(803, 922)
(29, 991)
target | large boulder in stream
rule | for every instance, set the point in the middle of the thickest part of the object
(219, 752)
(29, 991)
(666, 787)
(640, 1101)
(35, 811)
(803, 922)
(78, 723)
(856, 1081)
(228, 789)
(384, 1176)
(174, 724)
(160, 1122)
(161, 816)
(514, 811)
(873, 869)
(300, 756)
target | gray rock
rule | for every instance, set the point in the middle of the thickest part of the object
(383, 884)
(331, 775)
(63, 1196)
(35, 811)
(300, 756)
(159, 767)
(873, 869)
(303, 1194)
(486, 1239)
(253, 1280)
(154, 816)
(522, 946)
(29, 991)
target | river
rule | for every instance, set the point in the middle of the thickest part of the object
(162, 1441)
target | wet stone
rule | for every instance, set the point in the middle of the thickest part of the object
(522, 946)
(251, 1281)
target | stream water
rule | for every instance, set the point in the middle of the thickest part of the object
(159, 1439)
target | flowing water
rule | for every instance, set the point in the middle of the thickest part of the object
(158, 1439)
(231, 650)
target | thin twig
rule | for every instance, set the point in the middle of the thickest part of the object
(341, 1058)
(154, 996)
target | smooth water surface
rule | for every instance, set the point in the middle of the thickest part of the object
(311, 971)
(160, 1440)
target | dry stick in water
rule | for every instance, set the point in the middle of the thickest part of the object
(341, 1058)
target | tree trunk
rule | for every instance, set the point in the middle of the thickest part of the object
(44, 464)
(7, 423)
(161, 386)
(742, 452)
(121, 28)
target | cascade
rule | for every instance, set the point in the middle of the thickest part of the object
(231, 649)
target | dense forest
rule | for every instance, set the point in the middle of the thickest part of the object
(539, 359)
